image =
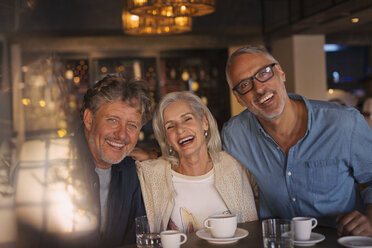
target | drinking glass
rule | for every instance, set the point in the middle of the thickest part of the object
(145, 238)
(277, 233)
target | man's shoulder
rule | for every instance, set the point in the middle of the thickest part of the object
(330, 108)
(127, 164)
(238, 121)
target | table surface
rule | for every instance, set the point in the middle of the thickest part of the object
(254, 238)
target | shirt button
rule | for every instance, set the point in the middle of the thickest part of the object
(278, 147)
(293, 199)
(289, 173)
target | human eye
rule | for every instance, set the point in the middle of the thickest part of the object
(169, 127)
(244, 84)
(264, 73)
(112, 121)
(132, 126)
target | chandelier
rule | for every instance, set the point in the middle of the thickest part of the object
(140, 25)
(163, 16)
(171, 8)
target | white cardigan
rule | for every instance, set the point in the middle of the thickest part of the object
(231, 182)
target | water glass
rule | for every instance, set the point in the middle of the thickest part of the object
(277, 233)
(144, 237)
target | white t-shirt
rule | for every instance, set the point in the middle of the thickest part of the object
(196, 200)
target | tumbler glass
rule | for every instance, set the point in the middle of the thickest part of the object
(277, 233)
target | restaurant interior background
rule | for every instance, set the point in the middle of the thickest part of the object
(51, 51)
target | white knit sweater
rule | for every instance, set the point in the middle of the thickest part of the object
(231, 182)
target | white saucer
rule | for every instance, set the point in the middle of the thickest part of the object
(314, 238)
(205, 234)
(355, 241)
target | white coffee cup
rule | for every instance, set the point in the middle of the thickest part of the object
(303, 226)
(222, 225)
(172, 239)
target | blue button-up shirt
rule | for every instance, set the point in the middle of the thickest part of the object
(320, 175)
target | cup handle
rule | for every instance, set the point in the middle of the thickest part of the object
(184, 238)
(315, 223)
(206, 223)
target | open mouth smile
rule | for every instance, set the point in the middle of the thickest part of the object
(186, 140)
(115, 144)
(265, 99)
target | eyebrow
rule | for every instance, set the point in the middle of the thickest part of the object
(118, 117)
(111, 116)
(183, 115)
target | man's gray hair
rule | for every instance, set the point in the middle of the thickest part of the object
(246, 50)
(112, 88)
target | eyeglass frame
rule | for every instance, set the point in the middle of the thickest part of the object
(235, 88)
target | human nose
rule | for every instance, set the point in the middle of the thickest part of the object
(258, 86)
(121, 132)
(180, 128)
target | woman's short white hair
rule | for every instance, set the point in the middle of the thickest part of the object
(213, 138)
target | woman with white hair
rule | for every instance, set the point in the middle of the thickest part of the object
(194, 178)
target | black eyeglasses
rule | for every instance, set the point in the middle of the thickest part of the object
(262, 75)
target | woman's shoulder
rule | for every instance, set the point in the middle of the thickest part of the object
(227, 162)
(153, 164)
(226, 157)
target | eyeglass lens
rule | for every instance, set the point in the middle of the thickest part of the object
(262, 76)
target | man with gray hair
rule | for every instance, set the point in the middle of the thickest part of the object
(113, 112)
(89, 191)
(308, 157)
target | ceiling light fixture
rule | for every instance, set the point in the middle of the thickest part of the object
(149, 25)
(171, 8)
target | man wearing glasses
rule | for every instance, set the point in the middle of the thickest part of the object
(308, 157)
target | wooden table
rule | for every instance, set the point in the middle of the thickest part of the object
(254, 239)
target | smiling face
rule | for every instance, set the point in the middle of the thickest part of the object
(266, 100)
(112, 132)
(184, 129)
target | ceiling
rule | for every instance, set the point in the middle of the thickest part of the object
(270, 18)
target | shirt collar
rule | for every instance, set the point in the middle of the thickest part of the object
(309, 109)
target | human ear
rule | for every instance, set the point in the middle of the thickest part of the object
(281, 72)
(205, 122)
(88, 119)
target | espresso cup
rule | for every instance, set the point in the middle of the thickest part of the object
(303, 226)
(172, 239)
(222, 225)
